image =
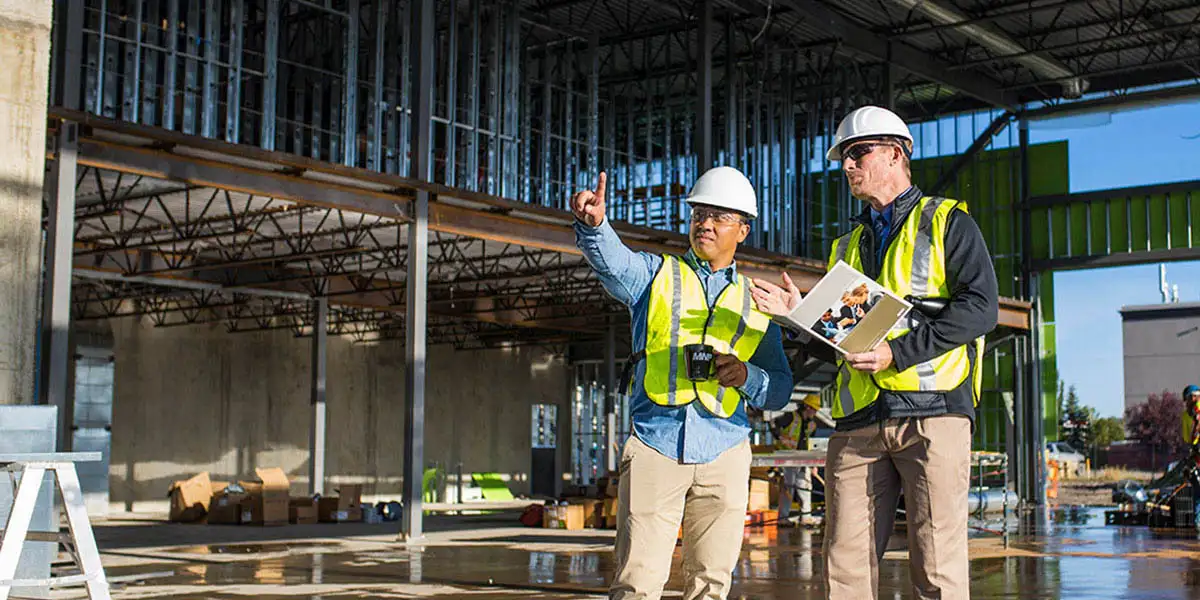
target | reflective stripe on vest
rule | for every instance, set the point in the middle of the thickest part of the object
(679, 315)
(915, 264)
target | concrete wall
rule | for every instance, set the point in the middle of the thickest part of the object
(192, 399)
(24, 83)
(1161, 348)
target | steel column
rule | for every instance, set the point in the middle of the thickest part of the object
(270, 76)
(495, 85)
(593, 110)
(610, 385)
(56, 285)
(316, 438)
(472, 174)
(212, 53)
(704, 80)
(451, 178)
(70, 59)
(98, 93)
(731, 132)
(350, 69)
(172, 60)
(233, 96)
(131, 103)
(422, 13)
(378, 105)
(547, 104)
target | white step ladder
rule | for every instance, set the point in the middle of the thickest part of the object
(80, 542)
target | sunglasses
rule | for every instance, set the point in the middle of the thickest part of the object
(724, 217)
(856, 153)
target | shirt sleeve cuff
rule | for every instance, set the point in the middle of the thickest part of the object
(756, 384)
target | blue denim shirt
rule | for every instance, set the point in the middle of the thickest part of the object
(688, 434)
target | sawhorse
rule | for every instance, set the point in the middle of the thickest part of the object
(80, 542)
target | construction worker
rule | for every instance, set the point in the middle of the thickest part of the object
(791, 433)
(689, 456)
(1191, 411)
(904, 410)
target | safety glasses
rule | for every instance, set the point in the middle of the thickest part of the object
(724, 217)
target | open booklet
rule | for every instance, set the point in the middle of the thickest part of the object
(847, 310)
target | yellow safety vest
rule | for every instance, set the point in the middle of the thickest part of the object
(915, 264)
(679, 315)
(789, 438)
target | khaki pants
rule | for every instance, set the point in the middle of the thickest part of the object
(656, 493)
(866, 468)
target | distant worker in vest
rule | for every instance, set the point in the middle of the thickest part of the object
(702, 352)
(905, 411)
(1191, 412)
(791, 432)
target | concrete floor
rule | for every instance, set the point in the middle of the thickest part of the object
(1066, 554)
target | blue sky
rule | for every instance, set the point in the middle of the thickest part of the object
(1137, 147)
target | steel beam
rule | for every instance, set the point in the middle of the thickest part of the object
(326, 185)
(859, 39)
(997, 125)
(1139, 191)
(56, 286)
(316, 450)
(1094, 261)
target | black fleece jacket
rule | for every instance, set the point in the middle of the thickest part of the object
(971, 312)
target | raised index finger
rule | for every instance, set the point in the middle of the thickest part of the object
(601, 185)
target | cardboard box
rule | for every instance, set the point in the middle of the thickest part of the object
(189, 499)
(268, 497)
(302, 511)
(573, 517)
(330, 510)
(229, 509)
(349, 496)
(593, 511)
(610, 513)
(760, 495)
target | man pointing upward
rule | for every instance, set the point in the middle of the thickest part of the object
(689, 456)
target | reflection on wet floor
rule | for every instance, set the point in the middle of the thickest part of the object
(269, 548)
(1066, 554)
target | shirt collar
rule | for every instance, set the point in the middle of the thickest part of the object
(886, 214)
(887, 210)
(702, 267)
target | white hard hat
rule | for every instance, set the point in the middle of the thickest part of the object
(725, 187)
(868, 122)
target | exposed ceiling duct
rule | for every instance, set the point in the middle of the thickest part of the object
(1073, 86)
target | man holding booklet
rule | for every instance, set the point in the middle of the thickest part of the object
(702, 352)
(905, 403)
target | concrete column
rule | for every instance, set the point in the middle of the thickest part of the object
(24, 86)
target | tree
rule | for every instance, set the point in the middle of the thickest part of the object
(1075, 420)
(1107, 430)
(1157, 423)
